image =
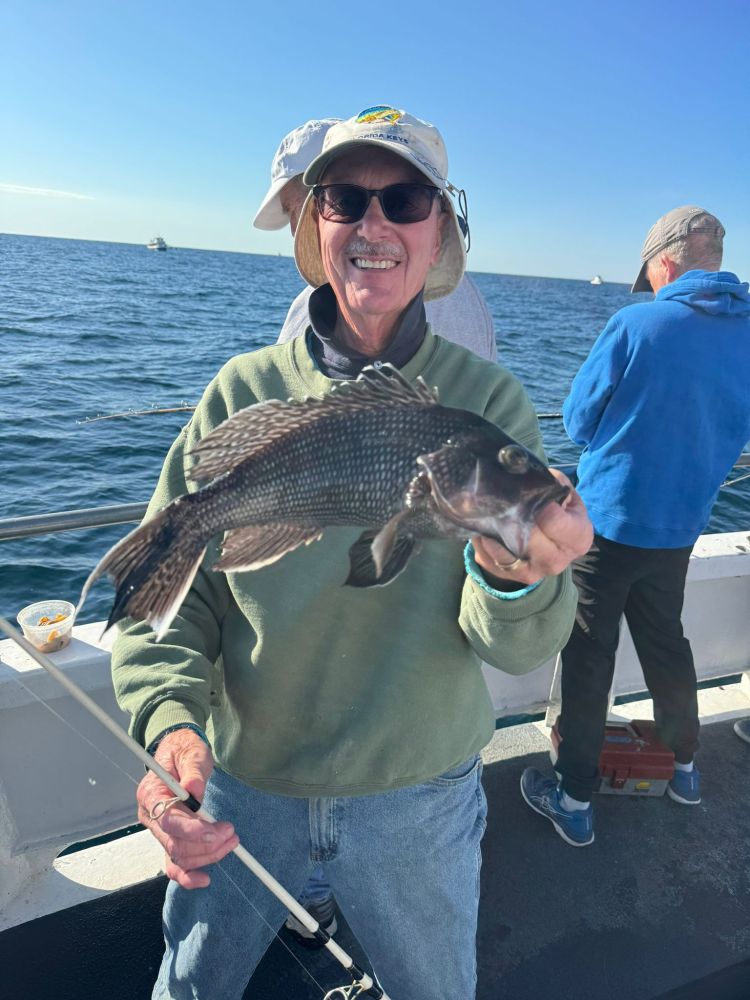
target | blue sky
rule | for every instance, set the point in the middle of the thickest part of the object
(571, 126)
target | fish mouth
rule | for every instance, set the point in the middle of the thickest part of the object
(552, 494)
(515, 537)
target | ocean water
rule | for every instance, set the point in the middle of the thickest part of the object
(89, 329)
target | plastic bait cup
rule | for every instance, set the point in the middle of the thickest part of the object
(50, 635)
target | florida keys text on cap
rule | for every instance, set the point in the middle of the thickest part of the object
(673, 226)
(421, 145)
(296, 152)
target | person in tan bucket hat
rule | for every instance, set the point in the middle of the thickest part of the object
(343, 724)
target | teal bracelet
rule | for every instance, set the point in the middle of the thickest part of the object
(474, 570)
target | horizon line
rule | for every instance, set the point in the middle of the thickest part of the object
(255, 253)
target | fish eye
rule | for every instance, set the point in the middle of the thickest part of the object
(514, 459)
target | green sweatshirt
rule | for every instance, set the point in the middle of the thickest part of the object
(307, 687)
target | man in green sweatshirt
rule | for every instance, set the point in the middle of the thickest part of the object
(328, 724)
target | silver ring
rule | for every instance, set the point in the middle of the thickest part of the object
(511, 565)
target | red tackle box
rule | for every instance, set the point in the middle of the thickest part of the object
(632, 761)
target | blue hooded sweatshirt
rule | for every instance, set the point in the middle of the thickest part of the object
(661, 407)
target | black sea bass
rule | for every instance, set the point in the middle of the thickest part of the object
(378, 452)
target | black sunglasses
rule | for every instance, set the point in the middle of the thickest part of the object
(401, 203)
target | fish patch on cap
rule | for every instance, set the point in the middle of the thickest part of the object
(380, 113)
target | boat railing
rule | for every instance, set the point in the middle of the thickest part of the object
(70, 520)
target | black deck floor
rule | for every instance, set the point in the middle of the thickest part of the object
(657, 907)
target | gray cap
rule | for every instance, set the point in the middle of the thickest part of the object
(673, 226)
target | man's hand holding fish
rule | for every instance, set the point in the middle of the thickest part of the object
(562, 533)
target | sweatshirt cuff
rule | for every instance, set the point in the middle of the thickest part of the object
(154, 744)
(474, 570)
(169, 715)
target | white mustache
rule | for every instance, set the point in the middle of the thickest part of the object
(363, 248)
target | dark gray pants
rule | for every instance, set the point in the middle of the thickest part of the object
(647, 586)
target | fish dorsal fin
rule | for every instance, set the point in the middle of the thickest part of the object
(386, 378)
(248, 432)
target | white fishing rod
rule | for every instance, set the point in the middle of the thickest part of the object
(362, 984)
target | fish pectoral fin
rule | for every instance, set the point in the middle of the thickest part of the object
(260, 545)
(364, 569)
(384, 542)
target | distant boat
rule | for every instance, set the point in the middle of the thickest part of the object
(157, 243)
(597, 280)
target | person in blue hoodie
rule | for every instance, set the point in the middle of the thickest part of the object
(661, 408)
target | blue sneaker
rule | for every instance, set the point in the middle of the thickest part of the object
(742, 728)
(685, 787)
(576, 827)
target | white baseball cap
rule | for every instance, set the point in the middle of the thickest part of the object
(296, 152)
(420, 144)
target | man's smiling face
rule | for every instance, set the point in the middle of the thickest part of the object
(376, 267)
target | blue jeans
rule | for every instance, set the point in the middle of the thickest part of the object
(404, 866)
(317, 889)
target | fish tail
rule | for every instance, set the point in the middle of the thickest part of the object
(152, 567)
